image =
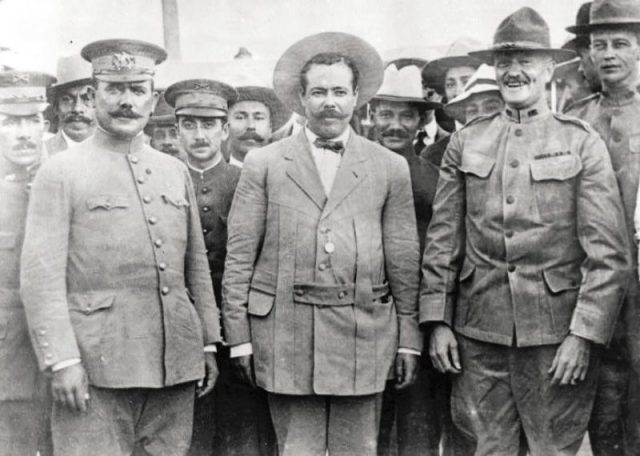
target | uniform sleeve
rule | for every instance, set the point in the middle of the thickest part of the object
(445, 242)
(43, 279)
(197, 276)
(402, 255)
(603, 236)
(245, 231)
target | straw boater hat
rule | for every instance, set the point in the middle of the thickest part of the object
(404, 85)
(457, 55)
(286, 76)
(200, 97)
(610, 14)
(524, 30)
(482, 81)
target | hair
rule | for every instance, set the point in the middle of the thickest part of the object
(421, 108)
(329, 58)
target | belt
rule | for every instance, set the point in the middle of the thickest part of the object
(333, 295)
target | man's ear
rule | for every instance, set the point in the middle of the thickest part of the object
(355, 94)
(45, 126)
(156, 98)
(225, 131)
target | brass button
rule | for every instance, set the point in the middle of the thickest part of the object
(515, 163)
(205, 231)
(205, 189)
(158, 242)
(165, 291)
(299, 292)
(162, 265)
(511, 268)
(49, 356)
(133, 159)
(42, 332)
(153, 220)
(509, 234)
(341, 295)
(510, 199)
(205, 209)
(322, 266)
(518, 132)
(147, 199)
(148, 171)
(45, 344)
(141, 179)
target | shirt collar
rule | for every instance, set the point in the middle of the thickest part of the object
(311, 136)
(234, 161)
(431, 129)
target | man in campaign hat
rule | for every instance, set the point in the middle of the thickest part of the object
(23, 398)
(614, 30)
(73, 103)
(253, 117)
(581, 45)
(121, 312)
(480, 97)
(321, 276)
(162, 129)
(527, 259)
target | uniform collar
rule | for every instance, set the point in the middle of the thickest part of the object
(618, 96)
(208, 168)
(527, 115)
(116, 144)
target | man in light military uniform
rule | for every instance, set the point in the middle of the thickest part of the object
(114, 276)
(23, 420)
(73, 103)
(527, 259)
(614, 28)
(321, 277)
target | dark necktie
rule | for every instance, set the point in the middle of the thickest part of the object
(333, 146)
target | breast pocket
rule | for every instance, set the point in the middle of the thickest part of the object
(554, 186)
(477, 168)
(108, 202)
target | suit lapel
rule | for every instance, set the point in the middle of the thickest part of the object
(302, 169)
(350, 173)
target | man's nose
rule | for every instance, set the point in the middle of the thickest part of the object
(24, 133)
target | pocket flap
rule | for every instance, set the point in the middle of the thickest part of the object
(562, 278)
(177, 201)
(107, 202)
(467, 270)
(260, 303)
(91, 302)
(477, 164)
(8, 240)
(561, 168)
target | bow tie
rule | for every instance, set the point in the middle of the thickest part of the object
(333, 146)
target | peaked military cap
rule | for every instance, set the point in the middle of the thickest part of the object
(123, 60)
(163, 114)
(200, 97)
(24, 93)
(524, 30)
(610, 14)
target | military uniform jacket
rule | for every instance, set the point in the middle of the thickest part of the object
(307, 277)
(114, 268)
(527, 242)
(214, 190)
(19, 374)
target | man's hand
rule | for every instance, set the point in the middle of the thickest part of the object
(406, 369)
(571, 362)
(70, 387)
(443, 349)
(243, 369)
(205, 386)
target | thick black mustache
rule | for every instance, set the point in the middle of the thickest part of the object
(517, 79)
(125, 113)
(251, 135)
(396, 133)
(77, 118)
(331, 114)
(200, 144)
(169, 148)
(25, 145)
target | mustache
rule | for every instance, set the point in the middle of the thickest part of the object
(331, 114)
(125, 113)
(75, 117)
(169, 148)
(396, 132)
(200, 144)
(251, 135)
(25, 145)
(508, 79)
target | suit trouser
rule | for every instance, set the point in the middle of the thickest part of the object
(311, 425)
(131, 421)
(503, 391)
(22, 427)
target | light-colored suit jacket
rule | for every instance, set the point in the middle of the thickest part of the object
(325, 288)
(56, 143)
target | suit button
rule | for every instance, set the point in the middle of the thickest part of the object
(322, 266)
(158, 242)
(518, 132)
(148, 171)
(511, 268)
(162, 266)
(164, 291)
(45, 344)
(141, 179)
(146, 199)
(299, 292)
(133, 159)
(510, 199)
(205, 209)
(42, 332)
(205, 189)
(341, 295)
(509, 234)
(515, 163)
(153, 220)
(205, 231)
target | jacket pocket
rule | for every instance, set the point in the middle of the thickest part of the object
(260, 303)
(176, 201)
(477, 168)
(89, 314)
(88, 303)
(562, 283)
(465, 293)
(553, 183)
(8, 240)
(562, 278)
(108, 202)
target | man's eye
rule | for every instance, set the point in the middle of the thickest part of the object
(208, 125)
(450, 84)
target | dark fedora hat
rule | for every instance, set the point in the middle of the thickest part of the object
(611, 14)
(524, 30)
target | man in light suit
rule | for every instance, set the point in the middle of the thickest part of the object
(115, 279)
(321, 276)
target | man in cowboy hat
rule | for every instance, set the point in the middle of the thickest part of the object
(527, 259)
(614, 28)
(580, 45)
(253, 117)
(321, 277)
(73, 103)
(481, 97)
(23, 398)
(162, 130)
(121, 312)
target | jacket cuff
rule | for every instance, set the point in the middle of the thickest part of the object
(591, 326)
(54, 343)
(436, 308)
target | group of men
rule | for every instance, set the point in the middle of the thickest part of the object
(179, 279)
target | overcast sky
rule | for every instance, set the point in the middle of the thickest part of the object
(38, 31)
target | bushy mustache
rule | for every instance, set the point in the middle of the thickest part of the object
(251, 135)
(331, 114)
(508, 79)
(125, 113)
(395, 132)
(76, 117)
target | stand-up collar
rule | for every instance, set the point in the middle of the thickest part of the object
(618, 96)
(527, 115)
(117, 144)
